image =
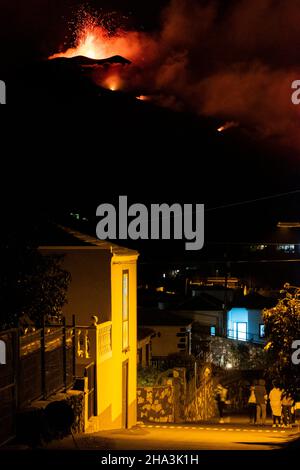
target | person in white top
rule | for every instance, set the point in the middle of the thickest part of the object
(252, 404)
(275, 402)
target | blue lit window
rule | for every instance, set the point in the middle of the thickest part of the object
(212, 331)
(261, 330)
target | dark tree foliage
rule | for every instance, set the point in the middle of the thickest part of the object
(282, 326)
(32, 286)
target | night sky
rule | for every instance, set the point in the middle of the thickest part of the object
(230, 61)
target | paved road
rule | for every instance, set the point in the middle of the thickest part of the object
(184, 437)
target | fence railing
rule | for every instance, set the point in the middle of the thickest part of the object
(245, 336)
(168, 362)
(46, 362)
(8, 385)
(94, 338)
(41, 362)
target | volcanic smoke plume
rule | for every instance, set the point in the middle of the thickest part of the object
(236, 62)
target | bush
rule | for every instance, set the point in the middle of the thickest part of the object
(147, 376)
(36, 426)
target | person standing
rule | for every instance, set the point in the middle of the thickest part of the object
(287, 403)
(221, 396)
(275, 402)
(252, 404)
(261, 402)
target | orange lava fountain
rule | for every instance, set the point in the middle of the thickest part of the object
(95, 42)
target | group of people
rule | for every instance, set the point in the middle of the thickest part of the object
(281, 403)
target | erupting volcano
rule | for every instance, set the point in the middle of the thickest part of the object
(104, 47)
(95, 42)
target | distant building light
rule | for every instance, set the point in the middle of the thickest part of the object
(164, 275)
(230, 282)
(288, 224)
(212, 331)
(258, 247)
(173, 272)
(286, 248)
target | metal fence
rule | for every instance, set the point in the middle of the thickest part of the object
(90, 374)
(33, 366)
(245, 336)
(8, 385)
(46, 362)
(169, 362)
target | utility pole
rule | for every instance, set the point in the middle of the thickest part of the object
(227, 265)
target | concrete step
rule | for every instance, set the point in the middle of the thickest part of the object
(92, 425)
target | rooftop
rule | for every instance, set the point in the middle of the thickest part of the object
(156, 317)
(64, 237)
(253, 301)
(200, 303)
(143, 333)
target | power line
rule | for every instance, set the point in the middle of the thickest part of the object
(250, 201)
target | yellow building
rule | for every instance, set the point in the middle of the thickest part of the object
(102, 295)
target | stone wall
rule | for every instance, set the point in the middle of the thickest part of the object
(178, 401)
(156, 404)
(76, 399)
(202, 406)
(180, 393)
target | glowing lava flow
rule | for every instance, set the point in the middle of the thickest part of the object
(112, 82)
(143, 98)
(228, 125)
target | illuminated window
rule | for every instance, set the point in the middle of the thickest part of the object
(125, 310)
(237, 324)
(212, 331)
(240, 331)
(261, 330)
